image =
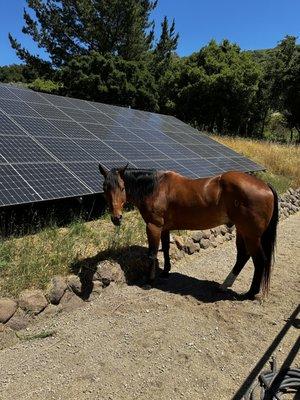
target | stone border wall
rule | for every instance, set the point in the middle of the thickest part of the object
(65, 293)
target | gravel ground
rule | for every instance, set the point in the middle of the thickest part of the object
(182, 340)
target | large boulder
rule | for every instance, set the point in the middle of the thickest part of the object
(56, 289)
(74, 283)
(70, 301)
(204, 243)
(7, 309)
(19, 320)
(179, 242)
(191, 247)
(108, 271)
(32, 301)
(197, 236)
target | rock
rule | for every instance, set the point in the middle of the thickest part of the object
(206, 234)
(197, 236)
(216, 231)
(97, 287)
(191, 247)
(8, 337)
(49, 311)
(19, 320)
(7, 309)
(74, 283)
(32, 301)
(179, 242)
(175, 253)
(227, 236)
(223, 229)
(70, 301)
(204, 243)
(56, 289)
(108, 272)
(220, 239)
(213, 242)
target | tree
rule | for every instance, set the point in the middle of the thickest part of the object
(218, 87)
(16, 73)
(68, 28)
(110, 79)
(166, 46)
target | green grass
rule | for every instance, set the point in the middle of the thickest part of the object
(40, 335)
(279, 182)
(31, 261)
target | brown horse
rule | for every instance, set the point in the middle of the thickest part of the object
(168, 201)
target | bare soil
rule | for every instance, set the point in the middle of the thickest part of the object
(181, 340)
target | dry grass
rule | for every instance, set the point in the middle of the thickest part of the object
(31, 261)
(281, 161)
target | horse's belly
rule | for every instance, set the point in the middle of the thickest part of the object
(193, 219)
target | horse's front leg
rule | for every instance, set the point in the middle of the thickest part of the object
(165, 241)
(153, 234)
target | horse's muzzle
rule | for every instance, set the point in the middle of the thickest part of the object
(116, 220)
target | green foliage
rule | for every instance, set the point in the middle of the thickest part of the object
(165, 48)
(45, 85)
(281, 183)
(217, 88)
(16, 73)
(110, 79)
(66, 29)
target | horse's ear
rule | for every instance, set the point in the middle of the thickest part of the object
(103, 170)
(122, 170)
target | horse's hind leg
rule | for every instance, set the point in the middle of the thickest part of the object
(153, 234)
(241, 259)
(165, 241)
(259, 260)
(256, 251)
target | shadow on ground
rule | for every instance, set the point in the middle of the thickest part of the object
(133, 262)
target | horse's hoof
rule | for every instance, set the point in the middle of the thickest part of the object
(251, 296)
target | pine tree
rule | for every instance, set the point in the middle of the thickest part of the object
(165, 47)
(68, 28)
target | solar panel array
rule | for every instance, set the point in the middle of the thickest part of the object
(50, 146)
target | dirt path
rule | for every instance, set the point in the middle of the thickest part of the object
(182, 340)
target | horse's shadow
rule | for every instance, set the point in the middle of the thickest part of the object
(134, 264)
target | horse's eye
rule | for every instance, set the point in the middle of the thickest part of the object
(123, 189)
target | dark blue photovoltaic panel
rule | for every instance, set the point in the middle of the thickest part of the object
(19, 149)
(14, 189)
(51, 181)
(38, 127)
(8, 127)
(50, 146)
(17, 107)
(87, 172)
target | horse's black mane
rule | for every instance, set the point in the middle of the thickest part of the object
(139, 183)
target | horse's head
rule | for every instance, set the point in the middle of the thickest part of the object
(114, 191)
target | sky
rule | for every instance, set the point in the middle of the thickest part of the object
(253, 24)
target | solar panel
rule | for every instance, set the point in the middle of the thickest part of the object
(50, 145)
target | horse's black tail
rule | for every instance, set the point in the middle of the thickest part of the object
(268, 242)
